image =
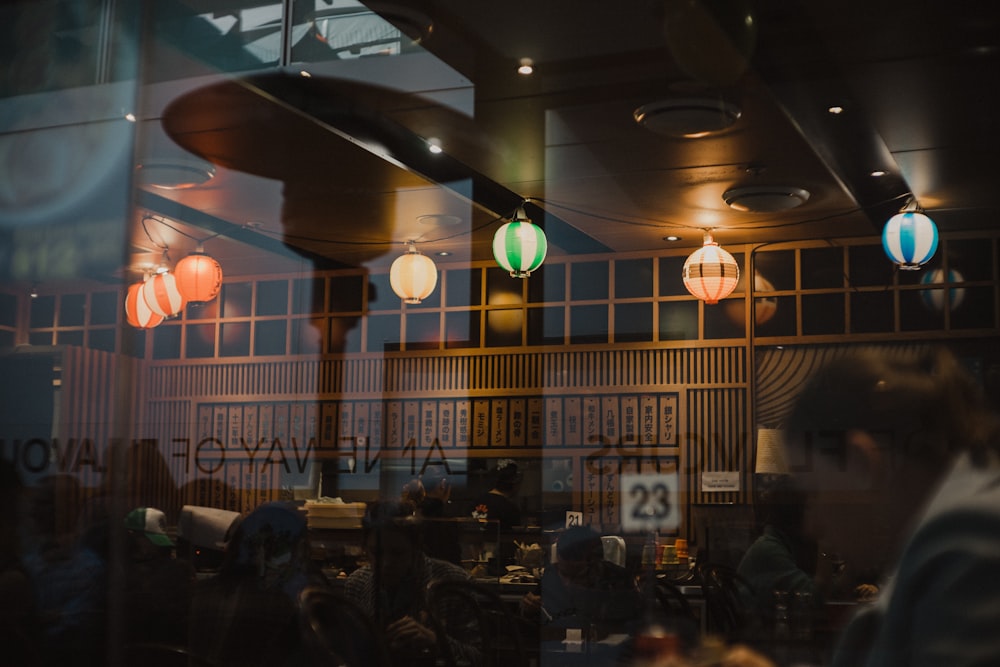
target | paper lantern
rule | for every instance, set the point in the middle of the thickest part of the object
(413, 276)
(710, 273)
(162, 295)
(519, 246)
(765, 305)
(199, 277)
(137, 312)
(934, 298)
(910, 239)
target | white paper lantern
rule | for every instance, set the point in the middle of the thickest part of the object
(910, 239)
(162, 295)
(413, 276)
(710, 273)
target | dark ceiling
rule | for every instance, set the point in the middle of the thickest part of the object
(336, 165)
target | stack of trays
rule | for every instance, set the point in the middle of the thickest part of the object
(334, 515)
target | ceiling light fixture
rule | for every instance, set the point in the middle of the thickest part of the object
(526, 67)
(413, 276)
(710, 273)
(910, 238)
(687, 117)
(835, 110)
(765, 198)
(878, 173)
(434, 145)
(672, 238)
(519, 246)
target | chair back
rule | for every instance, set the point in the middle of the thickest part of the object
(614, 549)
(479, 627)
(336, 631)
(725, 594)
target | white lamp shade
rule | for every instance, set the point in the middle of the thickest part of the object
(710, 273)
(413, 277)
(137, 312)
(910, 239)
(771, 457)
(162, 296)
(519, 247)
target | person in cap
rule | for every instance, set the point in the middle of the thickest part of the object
(158, 586)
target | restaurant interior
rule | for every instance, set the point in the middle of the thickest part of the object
(305, 250)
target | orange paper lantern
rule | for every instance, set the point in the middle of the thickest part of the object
(137, 312)
(162, 295)
(199, 277)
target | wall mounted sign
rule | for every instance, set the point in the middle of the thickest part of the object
(719, 482)
(650, 502)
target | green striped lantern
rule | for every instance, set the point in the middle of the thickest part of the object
(519, 246)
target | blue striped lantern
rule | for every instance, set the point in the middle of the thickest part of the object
(934, 298)
(519, 246)
(710, 273)
(910, 239)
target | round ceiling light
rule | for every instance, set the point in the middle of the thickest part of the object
(687, 117)
(174, 174)
(765, 198)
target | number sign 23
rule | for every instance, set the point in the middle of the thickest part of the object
(649, 502)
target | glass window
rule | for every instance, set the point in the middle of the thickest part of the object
(346, 293)
(672, 276)
(423, 330)
(43, 312)
(633, 322)
(234, 340)
(589, 281)
(269, 338)
(462, 329)
(104, 307)
(167, 342)
(237, 299)
(868, 266)
(200, 341)
(464, 287)
(547, 283)
(777, 267)
(782, 321)
(547, 326)
(633, 278)
(822, 314)
(272, 298)
(822, 267)
(872, 312)
(679, 320)
(588, 324)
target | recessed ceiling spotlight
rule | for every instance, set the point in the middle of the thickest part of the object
(526, 67)
(434, 145)
(443, 253)
(878, 172)
(835, 110)
(130, 117)
(305, 74)
(765, 198)
(687, 117)
(672, 238)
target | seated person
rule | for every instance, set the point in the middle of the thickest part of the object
(248, 612)
(582, 590)
(391, 589)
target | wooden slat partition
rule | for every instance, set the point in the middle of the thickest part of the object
(450, 374)
(716, 439)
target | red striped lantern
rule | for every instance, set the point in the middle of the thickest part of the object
(162, 295)
(710, 273)
(199, 277)
(137, 312)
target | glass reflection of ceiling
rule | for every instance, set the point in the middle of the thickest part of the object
(344, 28)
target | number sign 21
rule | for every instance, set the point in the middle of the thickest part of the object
(649, 502)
